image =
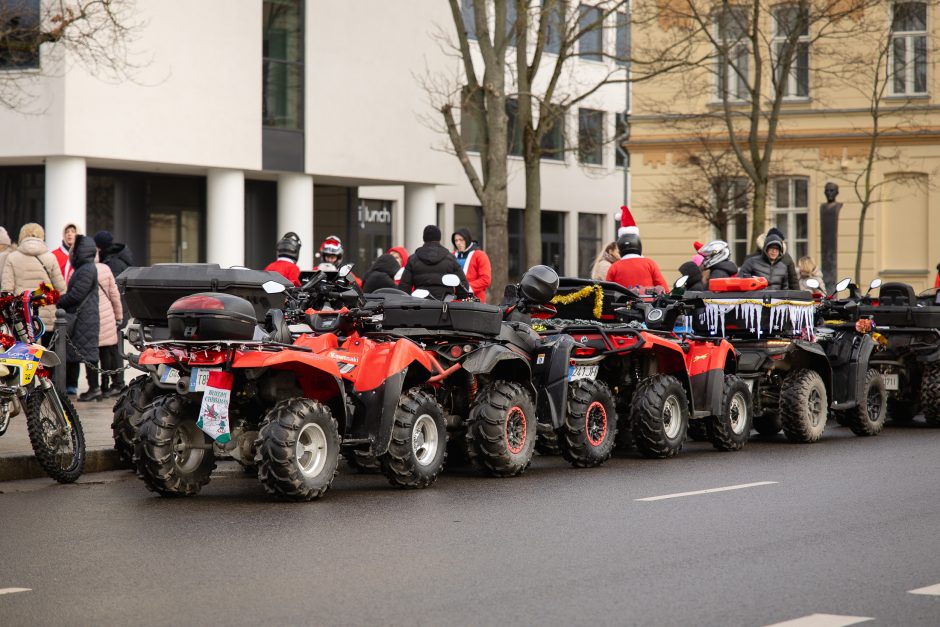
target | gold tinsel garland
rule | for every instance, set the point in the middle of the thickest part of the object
(580, 295)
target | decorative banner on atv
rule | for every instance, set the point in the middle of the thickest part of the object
(749, 312)
(213, 414)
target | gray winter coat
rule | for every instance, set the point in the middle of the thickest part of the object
(83, 343)
(777, 273)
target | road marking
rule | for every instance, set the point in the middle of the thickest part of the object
(823, 620)
(12, 590)
(933, 591)
(708, 491)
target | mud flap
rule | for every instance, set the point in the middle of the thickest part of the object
(550, 375)
(380, 405)
(848, 375)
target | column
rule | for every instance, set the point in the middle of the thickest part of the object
(420, 211)
(225, 217)
(65, 197)
(295, 213)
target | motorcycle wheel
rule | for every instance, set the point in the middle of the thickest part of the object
(57, 439)
(128, 412)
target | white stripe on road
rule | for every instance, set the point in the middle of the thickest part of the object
(12, 590)
(708, 491)
(823, 620)
(929, 590)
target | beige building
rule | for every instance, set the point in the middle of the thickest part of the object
(825, 131)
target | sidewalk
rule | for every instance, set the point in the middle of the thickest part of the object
(17, 460)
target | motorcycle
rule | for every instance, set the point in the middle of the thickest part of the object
(55, 431)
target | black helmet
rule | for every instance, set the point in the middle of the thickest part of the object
(539, 284)
(288, 246)
(629, 244)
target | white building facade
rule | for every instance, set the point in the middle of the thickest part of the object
(245, 119)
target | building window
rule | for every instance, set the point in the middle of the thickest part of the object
(590, 241)
(909, 48)
(733, 57)
(20, 35)
(553, 141)
(791, 214)
(792, 28)
(732, 197)
(471, 131)
(591, 27)
(621, 133)
(556, 27)
(591, 136)
(517, 250)
(623, 38)
(553, 240)
(283, 64)
(468, 217)
(513, 128)
(469, 21)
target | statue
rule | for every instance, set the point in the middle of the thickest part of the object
(829, 223)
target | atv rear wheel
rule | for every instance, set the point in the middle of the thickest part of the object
(171, 453)
(418, 446)
(804, 406)
(930, 394)
(298, 450)
(587, 438)
(660, 416)
(868, 417)
(128, 412)
(767, 425)
(502, 429)
(731, 430)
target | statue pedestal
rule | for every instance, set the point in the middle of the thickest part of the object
(829, 250)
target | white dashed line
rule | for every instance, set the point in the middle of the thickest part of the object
(933, 591)
(12, 590)
(823, 620)
(708, 491)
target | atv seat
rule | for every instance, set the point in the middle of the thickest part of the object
(900, 294)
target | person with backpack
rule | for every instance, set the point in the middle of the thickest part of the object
(428, 265)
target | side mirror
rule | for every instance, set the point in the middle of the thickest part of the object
(841, 285)
(813, 283)
(450, 280)
(875, 284)
(398, 274)
(421, 293)
(681, 281)
(273, 287)
(345, 270)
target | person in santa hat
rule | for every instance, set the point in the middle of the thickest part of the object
(633, 270)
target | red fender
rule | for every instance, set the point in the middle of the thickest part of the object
(708, 362)
(155, 357)
(380, 361)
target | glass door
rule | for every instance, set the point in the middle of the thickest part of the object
(174, 236)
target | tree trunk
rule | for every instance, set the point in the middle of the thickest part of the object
(861, 245)
(533, 213)
(497, 243)
(758, 212)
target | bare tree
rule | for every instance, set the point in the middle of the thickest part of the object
(43, 37)
(753, 55)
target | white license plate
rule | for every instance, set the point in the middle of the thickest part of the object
(582, 372)
(169, 375)
(199, 378)
(891, 382)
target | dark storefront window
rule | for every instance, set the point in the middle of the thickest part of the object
(374, 230)
(553, 240)
(261, 223)
(283, 64)
(590, 241)
(19, 34)
(334, 213)
(22, 197)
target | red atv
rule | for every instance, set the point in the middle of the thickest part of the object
(661, 382)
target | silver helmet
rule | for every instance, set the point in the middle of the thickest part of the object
(714, 252)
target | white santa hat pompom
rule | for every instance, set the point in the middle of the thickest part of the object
(627, 223)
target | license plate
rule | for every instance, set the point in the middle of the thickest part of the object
(169, 375)
(582, 372)
(891, 382)
(199, 378)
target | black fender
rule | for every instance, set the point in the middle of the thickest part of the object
(502, 363)
(850, 356)
(812, 356)
(550, 375)
(378, 408)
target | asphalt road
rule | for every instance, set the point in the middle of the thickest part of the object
(848, 528)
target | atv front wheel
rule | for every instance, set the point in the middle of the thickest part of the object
(173, 455)
(298, 450)
(660, 416)
(502, 429)
(868, 417)
(731, 430)
(804, 406)
(930, 394)
(128, 412)
(588, 436)
(418, 446)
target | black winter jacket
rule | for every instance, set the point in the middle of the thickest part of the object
(723, 270)
(118, 257)
(381, 274)
(776, 273)
(426, 267)
(83, 343)
(691, 270)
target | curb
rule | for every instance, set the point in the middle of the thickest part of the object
(18, 467)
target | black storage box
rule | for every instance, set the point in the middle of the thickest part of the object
(615, 297)
(736, 322)
(434, 314)
(902, 316)
(149, 291)
(212, 316)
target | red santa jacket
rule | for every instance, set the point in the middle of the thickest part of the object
(635, 271)
(478, 272)
(62, 256)
(287, 269)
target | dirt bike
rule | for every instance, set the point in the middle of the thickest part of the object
(55, 431)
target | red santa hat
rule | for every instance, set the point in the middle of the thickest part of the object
(697, 245)
(627, 223)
